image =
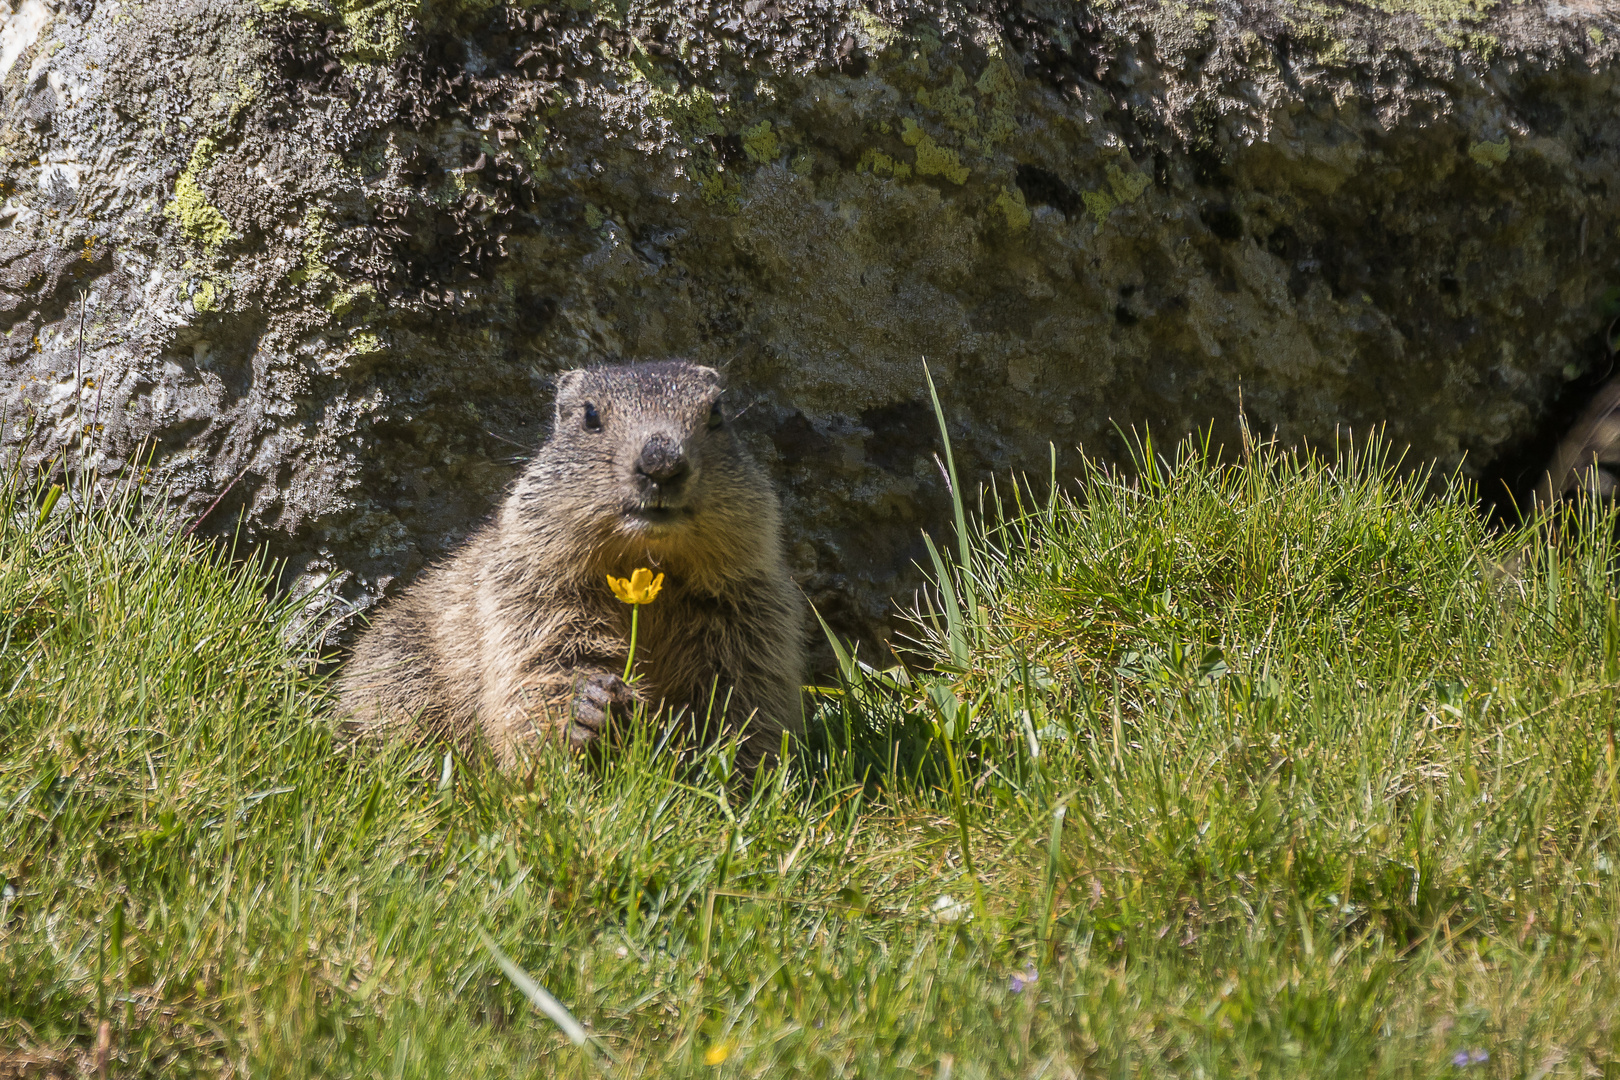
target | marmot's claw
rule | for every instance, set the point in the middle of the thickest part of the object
(594, 696)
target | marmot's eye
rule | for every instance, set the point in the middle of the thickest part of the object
(716, 418)
(593, 422)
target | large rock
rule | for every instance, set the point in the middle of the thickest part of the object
(326, 254)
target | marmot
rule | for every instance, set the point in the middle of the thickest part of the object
(1588, 456)
(518, 635)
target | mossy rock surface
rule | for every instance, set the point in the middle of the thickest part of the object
(330, 253)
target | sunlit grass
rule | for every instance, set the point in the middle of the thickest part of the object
(1272, 766)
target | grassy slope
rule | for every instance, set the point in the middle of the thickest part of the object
(1261, 770)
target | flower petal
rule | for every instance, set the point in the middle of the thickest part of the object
(639, 588)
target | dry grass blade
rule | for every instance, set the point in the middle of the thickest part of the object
(541, 998)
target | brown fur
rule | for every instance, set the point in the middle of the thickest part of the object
(1588, 457)
(517, 634)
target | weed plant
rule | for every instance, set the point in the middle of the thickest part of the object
(1279, 765)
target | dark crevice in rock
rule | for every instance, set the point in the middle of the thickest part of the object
(1044, 188)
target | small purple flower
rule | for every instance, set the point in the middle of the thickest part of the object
(1460, 1059)
(1019, 980)
(1464, 1058)
(1478, 1057)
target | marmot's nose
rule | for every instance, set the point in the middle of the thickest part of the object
(662, 462)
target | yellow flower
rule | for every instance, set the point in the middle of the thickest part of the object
(717, 1054)
(641, 588)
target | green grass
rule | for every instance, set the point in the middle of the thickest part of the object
(1284, 767)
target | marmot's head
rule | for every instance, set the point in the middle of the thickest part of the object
(643, 458)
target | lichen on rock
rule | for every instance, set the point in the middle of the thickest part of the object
(207, 295)
(1122, 187)
(933, 159)
(1010, 202)
(1489, 154)
(190, 209)
(761, 144)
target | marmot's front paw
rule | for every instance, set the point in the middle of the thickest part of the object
(594, 696)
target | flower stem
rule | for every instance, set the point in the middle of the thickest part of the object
(635, 616)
